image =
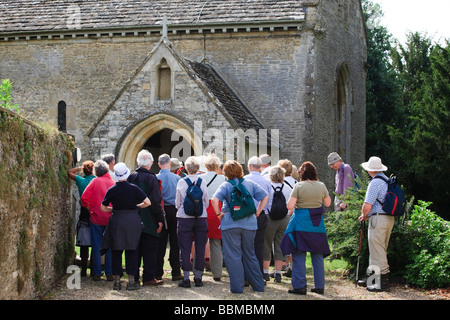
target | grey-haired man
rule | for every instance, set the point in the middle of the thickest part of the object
(344, 179)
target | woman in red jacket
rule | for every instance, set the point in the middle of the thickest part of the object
(92, 198)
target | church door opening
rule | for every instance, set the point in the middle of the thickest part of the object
(161, 142)
(155, 134)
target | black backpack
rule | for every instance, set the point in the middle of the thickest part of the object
(395, 201)
(279, 209)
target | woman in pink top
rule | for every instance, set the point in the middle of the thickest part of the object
(92, 199)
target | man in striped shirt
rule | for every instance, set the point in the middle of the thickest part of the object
(380, 225)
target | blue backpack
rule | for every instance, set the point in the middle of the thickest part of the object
(395, 201)
(356, 182)
(193, 202)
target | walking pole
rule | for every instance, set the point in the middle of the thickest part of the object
(359, 252)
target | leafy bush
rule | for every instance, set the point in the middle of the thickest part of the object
(5, 96)
(430, 265)
(343, 228)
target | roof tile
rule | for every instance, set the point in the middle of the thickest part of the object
(35, 15)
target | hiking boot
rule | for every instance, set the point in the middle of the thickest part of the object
(288, 273)
(117, 286)
(317, 290)
(177, 277)
(266, 277)
(198, 282)
(363, 282)
(278, 277)
(384, 285)
(96, 277)
(184, 283)
(301, 291)
(133, 286)
(153, 282)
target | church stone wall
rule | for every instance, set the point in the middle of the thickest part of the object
(268, 73)
(340, 45)
(89, 74)
(86, 74)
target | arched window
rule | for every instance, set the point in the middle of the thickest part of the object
(164, 81)
(342, 118)
(62, 116)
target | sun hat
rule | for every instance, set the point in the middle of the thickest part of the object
(175, 164)
(333, 158)
(121, 172)
(374, 164)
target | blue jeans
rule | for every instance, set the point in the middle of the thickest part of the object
(96, 241)
(299, 270)
(240, 259)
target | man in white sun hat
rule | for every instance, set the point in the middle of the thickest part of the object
(380, 225)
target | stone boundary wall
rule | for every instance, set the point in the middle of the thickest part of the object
(36, 220)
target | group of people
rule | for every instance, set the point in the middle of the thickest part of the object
(142, 212)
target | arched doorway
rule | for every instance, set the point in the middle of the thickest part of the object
(164, 141)
(155, 134)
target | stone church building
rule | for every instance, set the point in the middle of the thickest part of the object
(121, 76)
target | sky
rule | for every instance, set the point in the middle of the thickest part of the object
(403, 16)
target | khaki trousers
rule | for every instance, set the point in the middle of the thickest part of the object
(379, 232)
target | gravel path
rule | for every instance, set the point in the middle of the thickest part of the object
(336, 289)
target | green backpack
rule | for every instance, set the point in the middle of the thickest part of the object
(241, 203)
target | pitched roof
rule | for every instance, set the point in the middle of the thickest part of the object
(224, 96)
(39, 15)
(212, 84)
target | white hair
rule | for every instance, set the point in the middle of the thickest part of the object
(255, 162)
(212, 162)
(100, 168)
(144, 158)
(164, 158)
(192, 165)
(265, 159)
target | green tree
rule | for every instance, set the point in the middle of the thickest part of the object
(421, 141)
(383, 88)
